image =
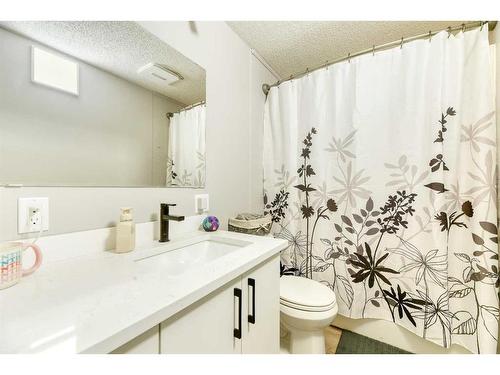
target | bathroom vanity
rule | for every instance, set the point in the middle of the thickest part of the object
(224, 321)
(200, 293)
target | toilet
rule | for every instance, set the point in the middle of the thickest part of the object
(307, 307)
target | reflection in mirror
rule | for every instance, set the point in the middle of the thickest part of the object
(186, 148)
(98, 104)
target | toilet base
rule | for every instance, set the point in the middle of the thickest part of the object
(307, 342)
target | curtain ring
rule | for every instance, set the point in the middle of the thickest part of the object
(463, 27)
(430, 36)
(449, 31)
(349, 57)
(373, 50)
(307, 71)
(326, 65)
(401, 44)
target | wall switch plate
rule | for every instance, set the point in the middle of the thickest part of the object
(32, 215)
(201, 203)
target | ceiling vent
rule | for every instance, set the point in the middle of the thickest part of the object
(159, 74)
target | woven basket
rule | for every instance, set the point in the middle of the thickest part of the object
(259, 226)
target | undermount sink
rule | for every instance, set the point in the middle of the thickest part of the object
(178, 259)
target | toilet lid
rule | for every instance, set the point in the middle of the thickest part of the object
(305, 293)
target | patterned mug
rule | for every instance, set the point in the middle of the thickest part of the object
(11, 261)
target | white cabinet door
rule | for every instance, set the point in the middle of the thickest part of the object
(261, 327)
(146, 343)
(206, 327)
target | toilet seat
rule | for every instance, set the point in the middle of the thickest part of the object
(307, 308)
(305, 294)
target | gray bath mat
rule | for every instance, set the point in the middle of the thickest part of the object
(352, 343)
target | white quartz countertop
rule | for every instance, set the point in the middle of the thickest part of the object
(97, 302)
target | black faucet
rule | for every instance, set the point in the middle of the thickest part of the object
(165, 217)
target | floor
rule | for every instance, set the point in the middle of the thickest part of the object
(353, 343)
(338, 341)
(332, 339)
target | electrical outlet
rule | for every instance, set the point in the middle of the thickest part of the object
(34, 218)
(32, 215)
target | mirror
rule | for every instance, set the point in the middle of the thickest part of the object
(98, 104)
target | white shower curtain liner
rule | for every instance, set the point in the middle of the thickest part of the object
(381, 174)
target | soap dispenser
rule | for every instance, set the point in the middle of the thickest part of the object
(125, 232)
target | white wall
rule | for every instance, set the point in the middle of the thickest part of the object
(226, 59)
(102, 137)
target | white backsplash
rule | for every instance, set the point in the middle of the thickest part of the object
(77, 244)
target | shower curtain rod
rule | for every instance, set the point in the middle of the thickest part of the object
(470, 25)
(170, 114)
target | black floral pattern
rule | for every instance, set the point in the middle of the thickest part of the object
(372, 253)
(403, 302)
(373, 270)
(305, 172)
(278, 206)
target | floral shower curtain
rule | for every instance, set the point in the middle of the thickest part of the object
(186, 148)
(381, 174)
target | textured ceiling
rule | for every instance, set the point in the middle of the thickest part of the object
(292, 46)
(119, 48)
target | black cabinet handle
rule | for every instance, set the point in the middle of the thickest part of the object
(237, 331)
(251, 317)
